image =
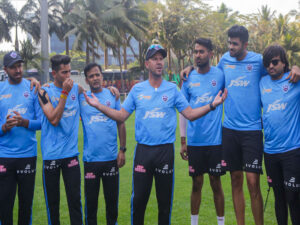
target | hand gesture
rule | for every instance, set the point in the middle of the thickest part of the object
(114, 92)
(220, 98)
(67, 85)
(91, 101)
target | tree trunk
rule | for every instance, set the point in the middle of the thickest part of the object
(169, 64)
(121, 71)
(105, 57)
(125, 56)
(87, 53)
(17, 40)
(67, 45)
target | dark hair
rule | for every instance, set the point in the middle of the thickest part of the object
(273, 51)
(237, 31)
(57, 60)
(89, 66)
(204, 42)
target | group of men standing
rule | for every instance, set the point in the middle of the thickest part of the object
(210, 148)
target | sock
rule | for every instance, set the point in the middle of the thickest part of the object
(221, 220)
(194, 219)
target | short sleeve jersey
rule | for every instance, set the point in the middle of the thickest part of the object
(200, 90)
(19, 142)
(242, 106)
(281, 114)
(155, 111)
(61, 141)
(100, 132)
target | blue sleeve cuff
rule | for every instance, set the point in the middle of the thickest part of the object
(34, 125)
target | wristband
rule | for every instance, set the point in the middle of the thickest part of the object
(123, 149)
(212, 108)
(63, 96)
(65, 92)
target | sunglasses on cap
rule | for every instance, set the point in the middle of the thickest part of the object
(274, 62)
(155, 46)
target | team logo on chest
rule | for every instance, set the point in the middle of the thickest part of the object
(26, 94)
(249, 67)
(108, 103)
(165, 98)
(285, 88)
(213, 83)
(73, 97)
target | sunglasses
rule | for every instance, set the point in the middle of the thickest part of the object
(274, 62)
(155, 46)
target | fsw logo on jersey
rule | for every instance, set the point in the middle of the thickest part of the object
(206, 97)
(18, 109)
(154, 114)
(69, 113)
(100, 117)
(277, 105)
(239, 82)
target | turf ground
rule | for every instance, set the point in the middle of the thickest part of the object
(181, 202)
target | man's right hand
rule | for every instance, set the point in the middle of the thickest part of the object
(183, 152)
(9, 124)
(91, 101)
(67, 85)
(185, 72)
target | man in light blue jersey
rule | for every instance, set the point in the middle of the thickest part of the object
(281, 120)
(155, 102)
(100, 153)
(59, 141)
(203, 150)
(19, 119)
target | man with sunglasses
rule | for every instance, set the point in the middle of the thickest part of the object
(242, 140)
(281, 120)
(203, 150)
(155, 102)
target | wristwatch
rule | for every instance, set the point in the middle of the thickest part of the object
(123, 149)
(212, 107)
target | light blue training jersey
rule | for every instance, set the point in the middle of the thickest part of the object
(155, 114)
(19, 142)
(100, 132)
(281, 114)
(242, 106)
(200, 90)
(61, 141)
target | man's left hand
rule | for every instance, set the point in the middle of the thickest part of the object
(121, 159)
(294, 75)
(34, 83)
(114, 92)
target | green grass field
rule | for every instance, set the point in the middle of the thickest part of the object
(181, 202)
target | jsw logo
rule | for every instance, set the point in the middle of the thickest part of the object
(98, 118)
(69, 113)
(18, 109)
(154, 114)
(204, 98)
(239, 82)
(276, 106)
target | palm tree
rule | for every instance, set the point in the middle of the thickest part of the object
(30, 55)
(6, 12)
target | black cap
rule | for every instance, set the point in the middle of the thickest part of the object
(11, 58)
(153, 49)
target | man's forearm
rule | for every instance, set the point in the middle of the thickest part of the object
(122, 134)
(111, 113)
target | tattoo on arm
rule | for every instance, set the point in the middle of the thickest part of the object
(43, 98)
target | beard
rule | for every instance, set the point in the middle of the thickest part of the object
(202, 65)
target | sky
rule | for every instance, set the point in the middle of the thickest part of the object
(244, 7)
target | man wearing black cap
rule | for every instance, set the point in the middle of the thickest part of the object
(154, 101)
(19, 119)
